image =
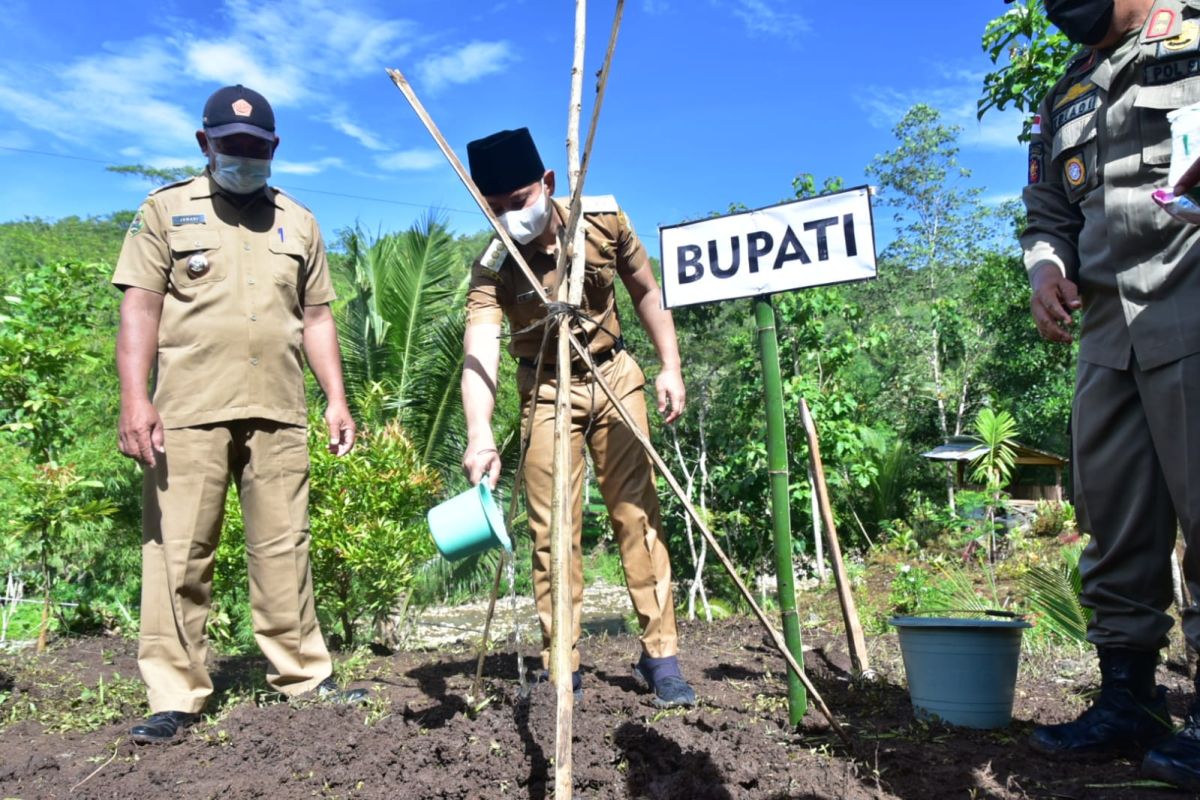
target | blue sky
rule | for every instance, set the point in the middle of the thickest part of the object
(710, 101)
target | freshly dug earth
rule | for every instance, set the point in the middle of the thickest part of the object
(419, 739)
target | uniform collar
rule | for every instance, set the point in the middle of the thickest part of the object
(205, 186)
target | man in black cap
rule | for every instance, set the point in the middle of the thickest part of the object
(1097, 241)
(509, 172)
(226, 294)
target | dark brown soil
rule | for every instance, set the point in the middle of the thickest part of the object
(417, 739)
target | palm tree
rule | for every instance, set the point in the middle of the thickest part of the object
(997, 432)
(401, 336)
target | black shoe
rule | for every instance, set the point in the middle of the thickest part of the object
(543, 677)
(162, 727)
(328, 691)
(662, 676)
(1177, 760)
(1129, 717)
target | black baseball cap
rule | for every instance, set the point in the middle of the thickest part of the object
(236, 109)
(504, 162)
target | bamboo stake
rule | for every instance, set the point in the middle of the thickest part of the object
(561, 510)
(577, 175)
(575, 296)
(777, 638)
(854, 632)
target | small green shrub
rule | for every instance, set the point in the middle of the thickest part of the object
(369, 537)
(1052, 518)
(910, 588)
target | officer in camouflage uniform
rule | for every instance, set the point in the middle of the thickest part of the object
(1096, 240)
(509, 172)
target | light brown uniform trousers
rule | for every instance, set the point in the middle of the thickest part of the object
(623, 471)
(235, 278)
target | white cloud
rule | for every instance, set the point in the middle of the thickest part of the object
(410, 160)
(996, 131)
(108, 92)
(355, 131)
(15, 139)
(279, 167)
(1001, 199)
(766, 17)
(291, 50)
(145, 93)
(468, 63)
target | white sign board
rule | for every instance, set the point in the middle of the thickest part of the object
(822, 240)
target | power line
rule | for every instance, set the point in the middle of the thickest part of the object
(345, 195)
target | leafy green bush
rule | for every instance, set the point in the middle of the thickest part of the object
(367, 515)
(910, 589)
(1053, 519)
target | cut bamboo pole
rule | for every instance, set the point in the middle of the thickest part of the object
(577, 175)
(574, 214)
(777, 638)
(562, 510)
(854, 633)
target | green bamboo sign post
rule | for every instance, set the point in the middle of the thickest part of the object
(756, 254)
(781, 510)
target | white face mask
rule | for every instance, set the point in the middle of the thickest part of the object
(240, 175)
(526, 224)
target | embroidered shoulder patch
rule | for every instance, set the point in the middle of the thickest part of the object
(1074, 171)
(136, 226)
(1185, 42)
(1037, 154)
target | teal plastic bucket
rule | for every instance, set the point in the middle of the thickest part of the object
(468, 523)
(963, 671)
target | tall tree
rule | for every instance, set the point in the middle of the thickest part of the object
(942, 231)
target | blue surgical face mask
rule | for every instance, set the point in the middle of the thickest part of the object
(240, 175)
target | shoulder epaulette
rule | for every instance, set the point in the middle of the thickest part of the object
(599, 204)
(277, 191)
(172, 185)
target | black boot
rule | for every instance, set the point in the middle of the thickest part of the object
(162, 727)
(1129, 717)
(1177, 760)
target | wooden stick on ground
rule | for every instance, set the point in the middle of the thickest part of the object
(854, 633)
(406, 89)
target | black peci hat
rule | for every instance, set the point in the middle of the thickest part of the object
(504, 162)
(236, 109)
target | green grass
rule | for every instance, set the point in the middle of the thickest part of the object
(74, 706)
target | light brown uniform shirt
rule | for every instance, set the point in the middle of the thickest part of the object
(235, 281)
(1104, 147)
(613, 250)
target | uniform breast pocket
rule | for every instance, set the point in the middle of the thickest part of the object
(1075, 157)
(287, 265)
(1153, 103)
(601, 260)
(196, 257)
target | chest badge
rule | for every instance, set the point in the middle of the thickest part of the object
(197, 265)
(1075, 171)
